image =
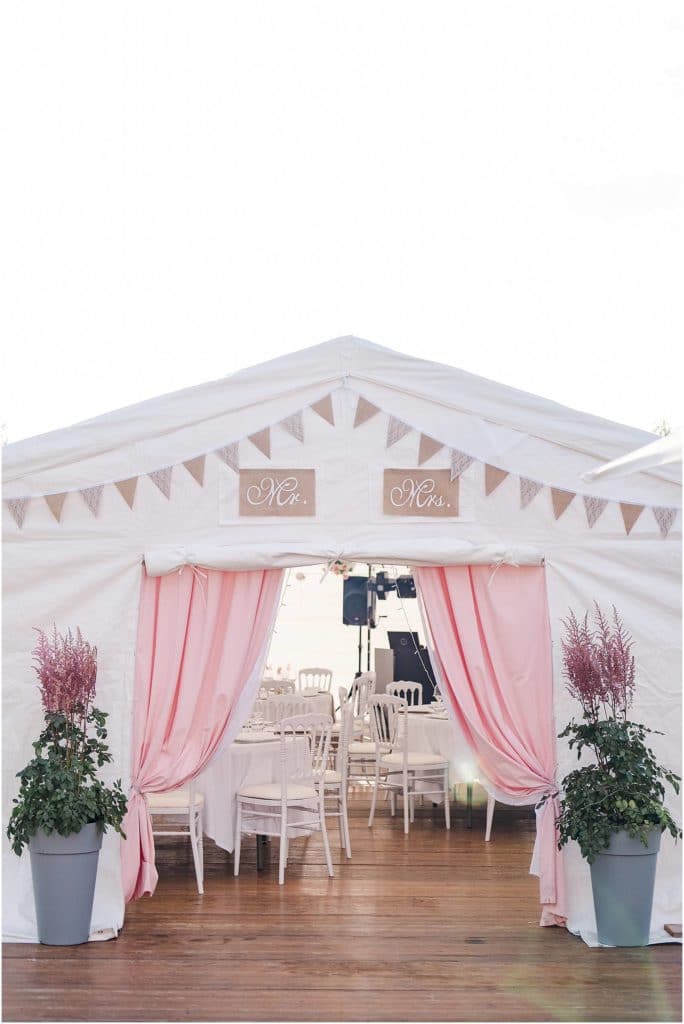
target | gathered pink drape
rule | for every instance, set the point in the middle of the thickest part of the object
(200, 635)
(490, 629)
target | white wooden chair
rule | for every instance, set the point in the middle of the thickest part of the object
(361, 691)
(176, 803)
(290, 707)
(297, 800)
(336, 780)
(314, 679)
(411, 692)
(400, 770)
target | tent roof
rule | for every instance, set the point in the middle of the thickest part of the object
(255, 397)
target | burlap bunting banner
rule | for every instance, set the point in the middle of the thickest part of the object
(262, 441)
(17, 508)
(364, 411)
(630, 514)
(162, 478)
(294, 425)
(593, 508)
(230, 454)
(91, 496)
(324, 408)
(459, 463)
(493, 477)
(127, 489)
(529, 489)
(560, 500)
(427, 448)
(55, 503)
(665, 517)
(195, 468)
(396, 429)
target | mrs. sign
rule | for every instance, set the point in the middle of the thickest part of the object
(420, 492)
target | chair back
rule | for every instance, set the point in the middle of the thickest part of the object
(302, 761)
(362, 689)
(286, 707)
(411, 692)
(315, 679)
(278, 685)
(345, 738)
(385, 713)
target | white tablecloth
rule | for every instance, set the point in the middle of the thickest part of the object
(241, 764)
(317, 704)
(438, 735)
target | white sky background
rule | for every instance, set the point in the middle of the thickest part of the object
(188, 188)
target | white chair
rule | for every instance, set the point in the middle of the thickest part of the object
(314, 679)
(336, 780)
(278, 685)
(411, 692)
(361, 691)
(297, 800)
(289, 707)
(400, 770)
(174, 804)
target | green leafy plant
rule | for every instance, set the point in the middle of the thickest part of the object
(624, 789)
(60, 791)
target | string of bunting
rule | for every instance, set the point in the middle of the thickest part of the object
(397, 429)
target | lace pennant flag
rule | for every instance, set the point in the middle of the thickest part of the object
(127, 488)
(529, 489)
(459, 463)
(91, 496)
(55, 503)
(294, 425)
(364, 411)
(560, 500)
(195, 468)
(665, 517)
(427, 448)
(594, 507)
(262, 441)
(230, 454)
(162, 478)
(493, 477)
(17, 507)
(324, 408)
(630, 514)
(396, 429)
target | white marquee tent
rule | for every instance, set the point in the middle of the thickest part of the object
(159, 480)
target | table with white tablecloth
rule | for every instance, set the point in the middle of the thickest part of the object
(240, 764)
(316, 704)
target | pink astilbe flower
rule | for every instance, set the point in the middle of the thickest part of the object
(598, 664)
(66, 667)
(580, 667)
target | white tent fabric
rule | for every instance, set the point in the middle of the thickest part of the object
(663, 452)
(84, 570)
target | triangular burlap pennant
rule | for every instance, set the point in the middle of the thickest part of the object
(493, 477)
(230, 454)
(459, 463)
(529, 489)
(324, 408)
(294, 425)
(364, 411)
(17, 507)
(91, 496)
(126, 489)
(665, 517)
(195, 468)
(560, 500)
(396, 429)
(55, 503)
(630, 514)
(262, 441)
(594, 507)
(427, 448)
(162, 478)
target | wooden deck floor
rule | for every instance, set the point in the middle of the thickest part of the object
(437, 927)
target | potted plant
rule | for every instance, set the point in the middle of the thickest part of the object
(613, 807)
(62, 808)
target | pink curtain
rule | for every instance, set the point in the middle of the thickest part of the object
(490, 629)
(200, 635)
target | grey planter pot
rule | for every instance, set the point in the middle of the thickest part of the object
(622, 879)
(64, 870)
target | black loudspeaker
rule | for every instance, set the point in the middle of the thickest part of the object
(357, 602)
(406, 586)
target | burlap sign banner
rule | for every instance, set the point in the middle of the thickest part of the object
(277, 492)
(420, 492)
